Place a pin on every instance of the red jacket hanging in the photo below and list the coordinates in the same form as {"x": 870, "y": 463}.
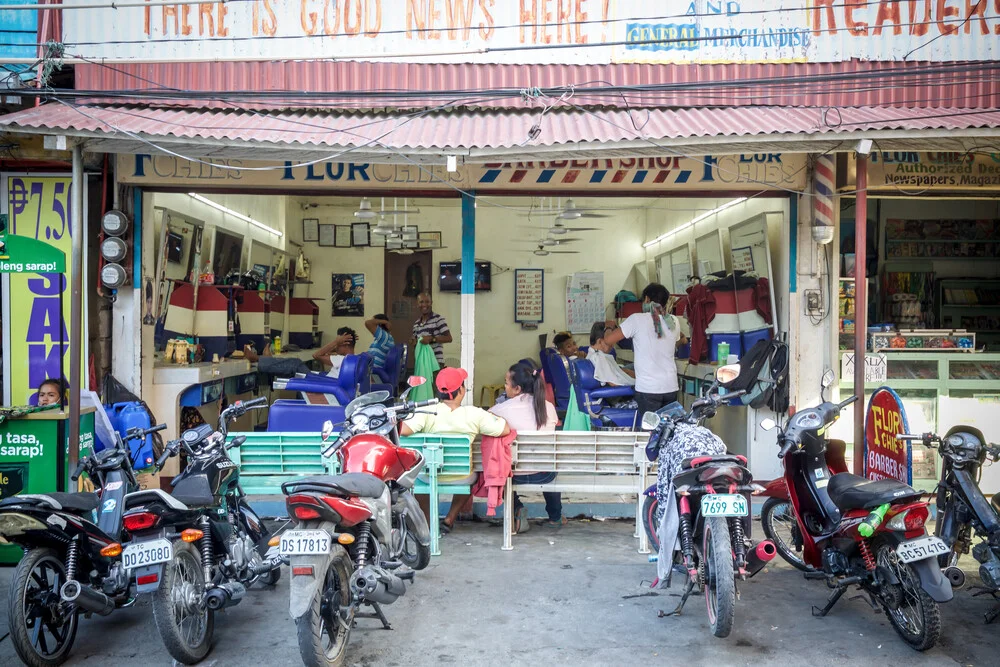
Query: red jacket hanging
{"x": 496, "y": 470}
{"x": 700, "y": 313}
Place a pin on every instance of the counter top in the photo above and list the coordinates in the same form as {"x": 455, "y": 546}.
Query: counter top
{"x": 56, "y": 414}
{"x": 189, "y": 374}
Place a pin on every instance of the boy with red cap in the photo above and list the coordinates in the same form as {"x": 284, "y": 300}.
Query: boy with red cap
{"x": 450, "y": 416}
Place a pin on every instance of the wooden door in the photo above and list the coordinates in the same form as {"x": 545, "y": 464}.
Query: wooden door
{"x": 405, "y": 277}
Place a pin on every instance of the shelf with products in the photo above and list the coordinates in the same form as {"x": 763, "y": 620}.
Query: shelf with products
{"x": 971, "y": 303}
{"x": 845, "y": 296}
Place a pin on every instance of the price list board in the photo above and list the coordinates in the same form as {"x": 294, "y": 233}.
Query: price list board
{"x": 529, "y": 295}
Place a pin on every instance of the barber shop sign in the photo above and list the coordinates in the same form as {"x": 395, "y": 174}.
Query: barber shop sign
{"x": 886, "y": 456}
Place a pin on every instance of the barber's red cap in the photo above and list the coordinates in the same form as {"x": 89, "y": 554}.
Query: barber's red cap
{"x": 450, "y": 379}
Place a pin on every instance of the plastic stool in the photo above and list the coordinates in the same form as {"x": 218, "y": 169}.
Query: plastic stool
{"x": 494, "y": 392}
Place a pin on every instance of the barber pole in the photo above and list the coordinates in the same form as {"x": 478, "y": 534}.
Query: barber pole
{"x": 823, "y": 186}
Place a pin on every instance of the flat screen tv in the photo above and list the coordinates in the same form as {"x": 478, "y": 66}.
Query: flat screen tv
{"x": 450, "y": 276}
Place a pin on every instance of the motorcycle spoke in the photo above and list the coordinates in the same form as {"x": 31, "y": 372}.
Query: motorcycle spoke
{"x": 60, "y": 637}
{"x": 37, "y": 638}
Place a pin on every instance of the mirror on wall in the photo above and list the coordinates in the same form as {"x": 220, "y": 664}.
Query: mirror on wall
{"x": 227, "y": 254}
{"x": 709, "y": 251}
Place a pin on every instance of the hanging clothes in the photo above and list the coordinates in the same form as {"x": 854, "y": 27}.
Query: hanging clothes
{"x": 496, "y": 469}
{"x": 425, "y": 365}
{"x": 700, "y": 313}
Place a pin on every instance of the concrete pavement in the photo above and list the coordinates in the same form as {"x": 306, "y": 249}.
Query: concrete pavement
{"x": 569, "y": 596}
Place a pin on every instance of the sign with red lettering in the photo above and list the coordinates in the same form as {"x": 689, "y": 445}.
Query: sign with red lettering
{"x": 538, "y": 31}
{"x": 886, "y": 456}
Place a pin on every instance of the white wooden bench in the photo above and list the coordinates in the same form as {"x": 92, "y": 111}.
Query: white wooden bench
{"x": 587, "y": 462}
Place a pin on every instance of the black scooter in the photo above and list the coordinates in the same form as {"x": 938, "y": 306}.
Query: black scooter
{"x": 962, "y": 508}
{"x": 71, "y": 564}
{"x": 198, "y": 548}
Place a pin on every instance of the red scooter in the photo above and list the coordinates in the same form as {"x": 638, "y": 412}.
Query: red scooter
{"x": 860, "y": 532}
{"x": 354, "y": 531}
{"x": 777, "y": 517}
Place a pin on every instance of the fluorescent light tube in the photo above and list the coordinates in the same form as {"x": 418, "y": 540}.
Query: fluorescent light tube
{"x": 240, "y": 216}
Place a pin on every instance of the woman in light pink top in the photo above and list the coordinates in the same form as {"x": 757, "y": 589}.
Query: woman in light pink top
{"x": 527, "y": 410}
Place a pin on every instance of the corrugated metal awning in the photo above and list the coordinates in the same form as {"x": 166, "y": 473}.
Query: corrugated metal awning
{"x": 487, "y": 136}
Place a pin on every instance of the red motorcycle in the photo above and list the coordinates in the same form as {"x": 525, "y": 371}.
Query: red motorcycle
{"x": 777, "y": 517}
{"x": 354, "y": 531}
{"x": 855, "y": 531}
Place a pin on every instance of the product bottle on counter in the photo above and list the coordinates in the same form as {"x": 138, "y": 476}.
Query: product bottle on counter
{"x": 277, "y": 344}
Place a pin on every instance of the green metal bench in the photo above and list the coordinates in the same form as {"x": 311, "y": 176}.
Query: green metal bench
{"x": 267, "y": 460}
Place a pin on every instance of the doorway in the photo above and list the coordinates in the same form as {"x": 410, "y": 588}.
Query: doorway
{"x": 406, "y": 276}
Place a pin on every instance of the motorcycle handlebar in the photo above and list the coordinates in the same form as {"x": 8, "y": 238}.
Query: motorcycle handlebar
{"x": 786, "y": 448}
{"x": 843, "y": 404}
{"x": 255, "y": 402}
{"x": 168, "y": 451}
{"x": 79, "y": 469}
{"x": 424, "y": 404}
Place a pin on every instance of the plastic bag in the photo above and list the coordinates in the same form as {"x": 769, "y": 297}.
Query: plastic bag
{"x": 575, "y": 419}
{"x": 425, "y": 365}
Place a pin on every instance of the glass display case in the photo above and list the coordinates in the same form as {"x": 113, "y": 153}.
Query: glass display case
{"x": 939, "y": 390}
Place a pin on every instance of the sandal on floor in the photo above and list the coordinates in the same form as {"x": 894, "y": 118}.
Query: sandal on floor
{"x": 521, "y": 523}
{"x": 558, "y": 524}
{"x": 445, "y": 527}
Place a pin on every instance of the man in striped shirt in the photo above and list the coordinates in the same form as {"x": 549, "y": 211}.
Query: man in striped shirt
{"x": 430, "y": 328}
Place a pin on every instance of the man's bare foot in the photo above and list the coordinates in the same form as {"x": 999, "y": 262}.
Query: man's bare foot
{"x": 249, "y": 353}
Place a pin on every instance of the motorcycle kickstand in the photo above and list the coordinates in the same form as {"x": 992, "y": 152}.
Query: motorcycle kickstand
{"x": 831, "y": 601}
{"x": 680, "y": 605}
{"x": 378, "y": 614}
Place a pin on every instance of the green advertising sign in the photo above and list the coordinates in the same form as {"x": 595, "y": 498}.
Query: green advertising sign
{"x": 23, "y": 254}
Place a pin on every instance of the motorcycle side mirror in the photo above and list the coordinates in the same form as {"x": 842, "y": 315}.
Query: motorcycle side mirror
{"x": 828, "y": 378}
{"x": 413, "y": 381}
{"x": 768, "y": 424}
{"x": 728, "y": 373}
{"x": 327, "y": 430}
{"x": 650, "y": 421}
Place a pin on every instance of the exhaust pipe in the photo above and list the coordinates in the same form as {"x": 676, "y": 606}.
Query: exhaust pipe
{"x": 759, "y": 556}
{"x": 377, "y": 585}
{"x": 86, "y": 598}
{"x": 225, "y": 595}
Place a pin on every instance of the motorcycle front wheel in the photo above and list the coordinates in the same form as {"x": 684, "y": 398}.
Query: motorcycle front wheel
{"x": 185, "y": 623}
{"x": 324, "y": 631}
{"x": 41, "y": 636}
{"x": 777, "y": 519}
{"x": 720, "y": 585}
{"x": 914, "y": 615}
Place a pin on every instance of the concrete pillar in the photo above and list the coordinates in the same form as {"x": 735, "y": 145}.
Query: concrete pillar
{"x": 813, "y": 340}
{"x": 468, "y": 324}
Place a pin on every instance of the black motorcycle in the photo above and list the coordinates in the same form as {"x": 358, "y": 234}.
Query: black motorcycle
{"x": 71, "y": 564}
{"x": 962, "y": 509}
{"x": 200, "y": 547}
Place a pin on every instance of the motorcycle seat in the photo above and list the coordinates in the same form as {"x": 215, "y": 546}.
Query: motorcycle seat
{"x": 696, "y": 461}
{"x": 849, "y": 492}
{"x": 70, "y": 502}
{"x": 359, "y": 484}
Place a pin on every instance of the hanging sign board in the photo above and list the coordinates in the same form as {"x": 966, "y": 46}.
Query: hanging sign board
{"x": 37, "y": 304}
{"x": 529, "y": 295}
{"x": 875, "y": 368}
{"x": 893, "y": 171}
{"x": 886, "y": 457}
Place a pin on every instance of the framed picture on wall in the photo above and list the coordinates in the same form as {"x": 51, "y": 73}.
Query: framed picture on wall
{"x": 310, "y": 230}
{"x": 327, "y": 235}
{"x": 378, "y": 240}
{"x": 360, "y": 235}
{"x": 342, "y": 236}
{"x": 429, "y": 239}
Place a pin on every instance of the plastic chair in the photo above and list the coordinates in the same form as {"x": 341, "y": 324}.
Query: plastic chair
{"x": 558, "y": 374}
{"x": 353, "y": 381}
{"x": 589, "y": 393}
{"x": 391, "y": 372}
{"x": 296, "y": 416}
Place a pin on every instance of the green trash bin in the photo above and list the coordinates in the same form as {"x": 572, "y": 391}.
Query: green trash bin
{"x": 34, "y": 458}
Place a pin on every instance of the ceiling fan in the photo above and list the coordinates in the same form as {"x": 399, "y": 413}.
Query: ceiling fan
{"x": 542, "y": 251}
{"x": 571, "y": 212}
{"x": 366, "y": 212}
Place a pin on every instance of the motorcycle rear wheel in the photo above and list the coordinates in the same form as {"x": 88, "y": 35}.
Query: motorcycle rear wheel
{"x": 720, "y": 584}
{"x": 185, "y": 624}
{"x": 915, "y": 617}
{"x": 34, "y": 588}
{"x": 323, "y": 634}
{"x": 651, "y": 521}
{"x": 777, "y": 519}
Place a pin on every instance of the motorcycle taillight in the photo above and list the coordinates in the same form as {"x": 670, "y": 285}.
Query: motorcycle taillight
{"x": 909, "y": 520}
{"x": 140, "y": 521}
